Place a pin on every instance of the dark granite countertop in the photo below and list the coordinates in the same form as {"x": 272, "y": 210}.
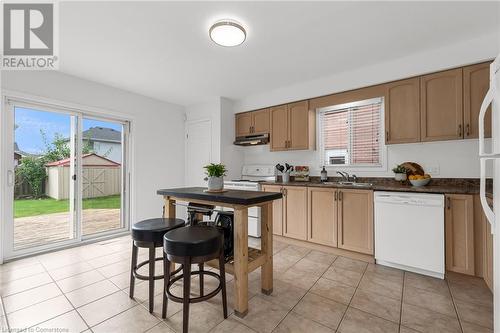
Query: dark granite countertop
{"x": 436, "y": 185}
{"x": 235, "y": 197}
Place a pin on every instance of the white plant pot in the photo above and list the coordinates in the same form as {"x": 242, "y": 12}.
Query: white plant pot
{"x": 400, "y": 176}
{"x": 215, "y": 183}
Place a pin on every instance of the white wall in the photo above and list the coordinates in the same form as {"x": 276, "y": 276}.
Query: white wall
{"x": 157, "y": 129}
{"x": 453, "y": 158}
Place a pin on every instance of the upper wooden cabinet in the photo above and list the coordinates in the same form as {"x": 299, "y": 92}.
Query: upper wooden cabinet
{"x": 459, "y": 224}
{"x": 293, "y": 127}
{"x": 476, "y": 82}
{"x": 255, "y": 122}
{"x": 402, "y": 111}
{"x": 355, "y": 220}
{"x": 322, "y": 216}
{"x": 441, "y": 106}
{"x": 277, "y": 209}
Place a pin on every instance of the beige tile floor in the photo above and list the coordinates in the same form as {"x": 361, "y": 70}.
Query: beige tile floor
{"x": 86, "y": 289}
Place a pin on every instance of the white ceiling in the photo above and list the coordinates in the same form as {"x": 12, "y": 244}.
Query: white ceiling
{"x": 162, "y": 49}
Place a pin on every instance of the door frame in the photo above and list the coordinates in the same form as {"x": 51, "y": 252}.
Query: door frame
{"x": 6, "y": 164}
{"x": 186, "y": 125}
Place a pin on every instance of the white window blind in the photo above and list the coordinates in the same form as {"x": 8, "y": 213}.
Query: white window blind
{"x": 350, "y": 133}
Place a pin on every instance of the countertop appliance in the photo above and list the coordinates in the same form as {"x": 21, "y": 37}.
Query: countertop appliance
{"x": 409, "y": 232}
{"x": 251, "y": 175}
{"x": 492, "y": 155}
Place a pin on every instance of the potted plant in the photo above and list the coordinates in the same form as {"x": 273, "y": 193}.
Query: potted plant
{"x": 399, "y": 173}
{"x": 215, "y": 173}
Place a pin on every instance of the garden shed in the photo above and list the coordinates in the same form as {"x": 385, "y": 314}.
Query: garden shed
{"x": 101, "y": 177}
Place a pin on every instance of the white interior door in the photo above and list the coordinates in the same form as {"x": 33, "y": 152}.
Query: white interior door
{"x": 198, "y": 151}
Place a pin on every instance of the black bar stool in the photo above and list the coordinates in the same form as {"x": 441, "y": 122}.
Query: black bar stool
{"x": 193, "y": 245}
{"x": 149, "y": 234}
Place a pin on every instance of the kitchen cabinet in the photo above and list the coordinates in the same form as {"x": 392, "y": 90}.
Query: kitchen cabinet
{"x": 355, "y": 220}
{"x": 293, "y": 127}
{"x": 322, "y": 216}
{"x": 475, "y": 85}
{"x": 254, "y": 122}
{"x": 459, "y": 230}
{"x": 402, "y": 111}
{"x": 277, "y": 209}
{"x": 488, "y": 255}
{"x": 295, "y": 212}
{"x": 441, "y": 106}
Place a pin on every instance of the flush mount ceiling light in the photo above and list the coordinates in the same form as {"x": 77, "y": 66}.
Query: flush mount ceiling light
{"x": 227, "y": 33}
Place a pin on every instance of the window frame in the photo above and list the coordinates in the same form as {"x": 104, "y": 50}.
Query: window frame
{"x": 382, "y": 166}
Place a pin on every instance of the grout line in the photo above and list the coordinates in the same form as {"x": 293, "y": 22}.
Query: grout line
{"x": 4, "y": 314}
{"x": 402, "y": 297}
{"x": 454, "y": 305}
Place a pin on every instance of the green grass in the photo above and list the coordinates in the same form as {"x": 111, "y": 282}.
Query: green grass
{"x": 33, "y": 207}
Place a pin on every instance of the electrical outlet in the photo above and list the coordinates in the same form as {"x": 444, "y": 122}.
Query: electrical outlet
{"x": 432, "y": 170}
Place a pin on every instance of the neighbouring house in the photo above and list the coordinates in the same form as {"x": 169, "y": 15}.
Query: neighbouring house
{"x": 21, "y": 153}
{"x": 101, "y": 177}
{"x": 105, "y": 141}
{"x": 17, "y": 159}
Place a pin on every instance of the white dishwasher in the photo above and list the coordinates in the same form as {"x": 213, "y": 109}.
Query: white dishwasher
{"x": 409, "y": 232}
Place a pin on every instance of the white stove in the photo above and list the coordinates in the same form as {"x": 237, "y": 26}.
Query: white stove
{"x": 251, "y": 175}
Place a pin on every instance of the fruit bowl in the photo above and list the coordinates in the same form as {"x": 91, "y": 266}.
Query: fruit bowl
{"x": 420, "y": 182}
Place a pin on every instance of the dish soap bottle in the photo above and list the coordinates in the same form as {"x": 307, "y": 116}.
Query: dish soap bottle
{"x": 324, "y": 175}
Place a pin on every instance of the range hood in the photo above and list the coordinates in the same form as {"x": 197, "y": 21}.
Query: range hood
{"x": 252, "y": 140}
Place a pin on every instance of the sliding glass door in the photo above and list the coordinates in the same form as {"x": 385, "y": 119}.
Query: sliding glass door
{"x": 66, "y": 178}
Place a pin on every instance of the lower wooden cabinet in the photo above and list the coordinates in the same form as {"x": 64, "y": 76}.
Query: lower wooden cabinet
{"x": 295, "y": 212}
{"x": 355, "y": 220}
{"x": 459, "y": 223}
{"x": 487, "y": 252}
{"x": 322, "y": 216}
{"x": 277, "y": 209}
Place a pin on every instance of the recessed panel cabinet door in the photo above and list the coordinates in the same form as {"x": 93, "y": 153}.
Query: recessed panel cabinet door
{"x": 260, "y": 121}
{"x": 476, "y": 84}
{"x": 298, "y": 125}
{"x": 459, "y": 221}
{"x": 277, "y": 210}
{"x": 488, "y": 255}
{"x": 243, "y": 123}
{"x": 355, "y": 220}
{"x": 279, "y": 127}
{"x": 441, "y": 106}
{"x": 322, "y": 216}
{"x": 295, "y": 210}
{"x": 402, "y": 113}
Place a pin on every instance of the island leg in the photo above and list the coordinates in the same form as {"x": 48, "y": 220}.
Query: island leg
{"x": 169, "y": 209}
{"x": 241, "y": 262}
{"x": 267, "y": 248}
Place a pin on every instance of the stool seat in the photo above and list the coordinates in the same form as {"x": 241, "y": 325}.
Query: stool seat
{"x": 152, "y": 230}
{"x": 192, "y": 241}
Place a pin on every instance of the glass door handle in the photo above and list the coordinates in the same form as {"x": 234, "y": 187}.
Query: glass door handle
{"x": 10, "y": 177}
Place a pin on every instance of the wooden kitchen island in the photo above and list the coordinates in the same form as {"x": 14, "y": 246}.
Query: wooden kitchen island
{"x": 245, "y": 259}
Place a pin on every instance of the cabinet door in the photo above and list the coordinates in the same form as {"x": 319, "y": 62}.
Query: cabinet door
{"x": 279, "y": 128}
{"x": 260, "y": 121}
{"x": 298, "y": 125}
{"x": 402, "y": 112}
{"x": 441, "y": 106}
{"x": 277, "y": 210}
{"x": 476, "y": 84}
{"x": 322, "y": 216}
{"x": 243, "y": 123}
{"x": 295, "y": 212}
{"x": 459, "y": 221}
{"x": 488, "y": 254}
{"x": 355, "y": 220}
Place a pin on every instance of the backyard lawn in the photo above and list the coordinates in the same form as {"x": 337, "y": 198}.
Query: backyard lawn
{"x": 33, "y": 207}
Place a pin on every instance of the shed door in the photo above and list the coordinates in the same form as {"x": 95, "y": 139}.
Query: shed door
{"x": 93, "y": 182}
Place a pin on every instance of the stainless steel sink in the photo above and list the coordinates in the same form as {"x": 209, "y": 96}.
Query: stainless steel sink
{"x": 345, "y": 183}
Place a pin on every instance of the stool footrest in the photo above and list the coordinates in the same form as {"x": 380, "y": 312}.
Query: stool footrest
{"x": 156, "y": 277}
{"x": 194, "y": 299}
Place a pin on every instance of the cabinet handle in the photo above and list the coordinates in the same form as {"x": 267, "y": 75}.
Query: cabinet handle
{"x": 335, "y": 196}
{"x": 386, "y": 136}
{"x": 448, "y": 203}
{"x": 467, "y": 130}
{"x": 340, "y": 195}
{"x": 460, "y": 130}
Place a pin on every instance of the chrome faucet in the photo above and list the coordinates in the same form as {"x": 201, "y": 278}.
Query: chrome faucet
{"x": 345, "y": 175}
